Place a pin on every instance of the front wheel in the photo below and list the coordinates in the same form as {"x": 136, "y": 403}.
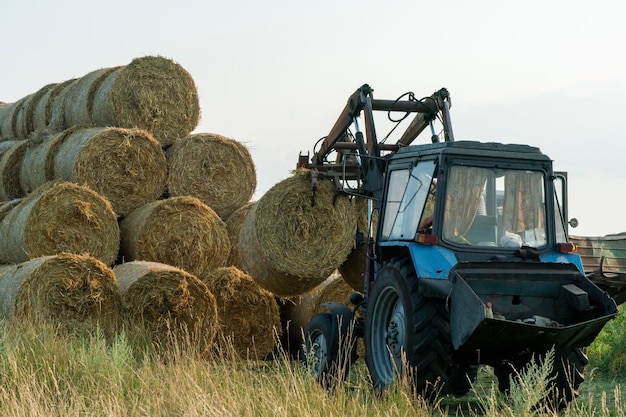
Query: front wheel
{"x": 329, "y": 349}
{"x": 406, "y": 333}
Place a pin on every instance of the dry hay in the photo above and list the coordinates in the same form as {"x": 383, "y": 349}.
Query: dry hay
{"x": 60, "y": 217}
{"x": 152, "y": 93}
{"x": 178, "y": 231}
{"x": 216, "y": 169}
{"x": 353, "y": 269}
{"x": 248, "y": 315}
{"x": 296, "y": 312}
{"x": 288, "y": 245}
{"x": 68, "y": 289}
{"x": 171, "y": 304}
{"x": 234, "y": 222}
{"x": 11, "y": 157}
{"x": 126, "y": 166}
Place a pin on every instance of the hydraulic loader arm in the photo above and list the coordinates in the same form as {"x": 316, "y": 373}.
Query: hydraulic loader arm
{"x": 365, "y": 145}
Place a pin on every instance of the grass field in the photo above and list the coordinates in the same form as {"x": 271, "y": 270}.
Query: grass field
{"x": 44, "y": 374}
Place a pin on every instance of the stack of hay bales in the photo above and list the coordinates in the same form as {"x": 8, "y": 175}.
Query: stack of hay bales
{"x": 293, "y": 239}
{"x": 68, "y": 289}
{"x": 182, "y": 200}
{"x": 151, "y": 93}
{"x": 174, "y": 306}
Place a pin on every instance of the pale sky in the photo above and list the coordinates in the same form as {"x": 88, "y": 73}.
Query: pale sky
{"x": 275, "y": 74}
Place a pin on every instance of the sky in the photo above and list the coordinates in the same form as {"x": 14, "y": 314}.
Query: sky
{"x": 275, "y": 74}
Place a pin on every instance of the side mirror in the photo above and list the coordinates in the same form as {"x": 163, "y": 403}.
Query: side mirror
{"x": 573, "y": 222}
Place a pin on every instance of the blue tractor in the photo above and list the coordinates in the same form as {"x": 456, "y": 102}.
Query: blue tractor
{"x": 468, "y": 257}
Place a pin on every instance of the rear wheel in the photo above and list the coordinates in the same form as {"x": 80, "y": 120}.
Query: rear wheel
{"x": 406, "y": 333}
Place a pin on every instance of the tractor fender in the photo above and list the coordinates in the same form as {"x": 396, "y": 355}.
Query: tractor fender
{"x": 340, "y": 310}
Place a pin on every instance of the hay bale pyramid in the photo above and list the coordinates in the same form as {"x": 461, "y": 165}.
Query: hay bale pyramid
{"x": 105, "y": 167}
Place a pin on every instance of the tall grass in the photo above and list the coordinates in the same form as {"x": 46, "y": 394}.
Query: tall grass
{"x": 43, "y": 373}
{"x": 608, "y": 351}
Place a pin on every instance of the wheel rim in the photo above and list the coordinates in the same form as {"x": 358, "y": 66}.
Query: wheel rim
{"x": 388, "y": 335}
{"x": 319, "y": 352}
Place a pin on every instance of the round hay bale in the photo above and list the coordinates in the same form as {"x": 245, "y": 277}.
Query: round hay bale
{"x": 296, "y": 312}
{"x": 287, "y": 244}
{"x": 68, "y": 289}
{"x": 216, "y": 169}
{"x": 234, "y": 222}
{"x": 152, "y": 93}
{"x": 10, "y": 165}
{"x": 60, "y": 217}
{"x": 178, "y": 231}
{"x": 249, "y": 320}
{"x": 168, "y": 302}
{"x": 79, "y": 98}
{"x": 126, "y": 166}
{"x": 48, "y": 110}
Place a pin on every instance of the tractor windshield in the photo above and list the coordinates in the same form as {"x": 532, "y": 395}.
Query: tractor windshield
{"x": 494, "y": 207}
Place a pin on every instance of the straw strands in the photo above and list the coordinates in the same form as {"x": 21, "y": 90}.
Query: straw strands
{"x": 289, "y": 245}
{"x": 248, "y": 315}
{"x": 168, "y": 301}
{"x": 59, "y": 217}
{"x": 178, "y": 231}
{"x": 216, "y": 169}
{"x": 68, "y": 289}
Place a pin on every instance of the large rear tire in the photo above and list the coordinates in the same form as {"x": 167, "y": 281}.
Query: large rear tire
{"x": 406, "y": 333}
